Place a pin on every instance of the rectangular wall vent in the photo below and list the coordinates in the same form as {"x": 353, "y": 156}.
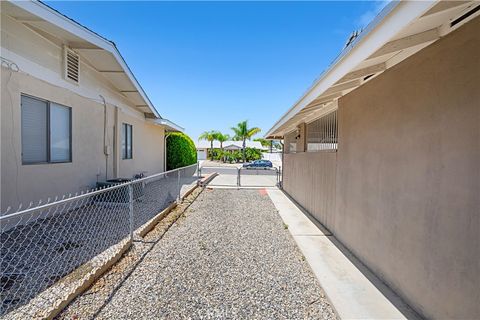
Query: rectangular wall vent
{"x": 71, "y": 65}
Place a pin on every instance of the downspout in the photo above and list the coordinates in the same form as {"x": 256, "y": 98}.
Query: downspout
{"x": 105, "y": 146}
{"x": 115, "y": 144}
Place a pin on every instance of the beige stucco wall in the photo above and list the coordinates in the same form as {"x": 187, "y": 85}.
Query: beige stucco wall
{"x": 41, "y": 75}
{"x": 25, "y": 183}
{"x": 309, "y": 178}
{"x": 408, "y": 182}
{"x": 148, "y": 148}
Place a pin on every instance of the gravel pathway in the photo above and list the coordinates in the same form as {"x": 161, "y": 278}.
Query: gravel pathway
{"x": 229, "y": 257}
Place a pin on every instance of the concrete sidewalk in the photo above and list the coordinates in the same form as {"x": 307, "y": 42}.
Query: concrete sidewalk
{"x": 353, "y": 290}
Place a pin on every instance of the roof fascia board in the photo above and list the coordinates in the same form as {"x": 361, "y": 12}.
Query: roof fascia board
{"x": 393, "y": 18}
{"x": 167, "y": 123}
{"x": 48, "y": 14}
{"x": 137, "y": 85}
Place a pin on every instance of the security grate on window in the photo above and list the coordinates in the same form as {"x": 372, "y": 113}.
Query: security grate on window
{"x": 322, "y": 134}
{"x": 291, "y": 142}
{"x": 71, "y": 65}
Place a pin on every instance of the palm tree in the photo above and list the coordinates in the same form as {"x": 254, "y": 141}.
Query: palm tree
{"x": 243, "y": 132}
{"x": 209, "y": 136}
{"x": 264, "y": 142}
{"x": 220, "y": 137}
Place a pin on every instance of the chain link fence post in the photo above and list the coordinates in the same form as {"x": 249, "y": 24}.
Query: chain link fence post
{"x": 178, "y": 186}
{"x": 130, "y": 209}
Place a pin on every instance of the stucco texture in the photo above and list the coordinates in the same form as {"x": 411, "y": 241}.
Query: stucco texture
{"x": 408, "y": 183}
{"x": 25, "y": 183}
{"x": 309, "y": 177}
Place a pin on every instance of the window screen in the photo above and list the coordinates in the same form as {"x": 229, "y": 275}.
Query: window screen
{"x": 322, "y": 134}
{"x": 46, "y": 131}
{"x": 291, "y": 142}
{"x": 127, "y": 141}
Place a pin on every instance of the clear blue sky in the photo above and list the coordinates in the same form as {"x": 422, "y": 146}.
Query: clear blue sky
{"x": 209, "y": 65}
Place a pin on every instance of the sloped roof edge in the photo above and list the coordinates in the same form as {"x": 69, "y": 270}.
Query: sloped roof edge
{"x": 60, "y": 20}
{"x": 395, "y": 16}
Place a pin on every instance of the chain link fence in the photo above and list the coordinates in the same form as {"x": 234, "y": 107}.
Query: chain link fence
{"x": 42, "y": 244}
{"x": 230, "y": 176}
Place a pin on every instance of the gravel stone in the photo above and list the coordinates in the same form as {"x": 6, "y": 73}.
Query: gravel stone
{"x": 229, "y": 257}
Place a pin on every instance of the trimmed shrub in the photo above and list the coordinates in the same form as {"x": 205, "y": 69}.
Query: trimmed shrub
{"x": 181, "y": 151}
{"x": 252, "y": 154}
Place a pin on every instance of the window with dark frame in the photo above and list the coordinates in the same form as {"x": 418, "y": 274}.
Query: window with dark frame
{"x": 46, "y": 131}
{"x": 127, "y": 141}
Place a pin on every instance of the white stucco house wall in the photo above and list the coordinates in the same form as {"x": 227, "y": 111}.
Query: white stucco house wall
{"x": 72, "y": 112}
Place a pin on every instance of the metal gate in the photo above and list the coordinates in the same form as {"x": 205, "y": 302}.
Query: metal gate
{"x": 244, "y": 177}
{"x": 258, "y": 177}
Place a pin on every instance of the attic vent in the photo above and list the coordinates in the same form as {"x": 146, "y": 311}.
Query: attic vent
{"x": 368, "y": 77}
{"x": 71, "y": 65}
{"x": 464, "y": 16}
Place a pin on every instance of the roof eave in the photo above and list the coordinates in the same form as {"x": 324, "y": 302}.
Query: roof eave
{"x": 169, "y": 125}
{"x": 392, "y": 19}
{"x": 51, "y": 15}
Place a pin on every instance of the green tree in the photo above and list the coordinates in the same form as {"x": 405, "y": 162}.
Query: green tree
{"x": 209, "y": 136}
{"x": 181, "y": 151}
{"x": 243, "y": 132}
{"x": 264, "y": 142}
{"x": 269, "y": 143}
{"x": 220, "y": 137}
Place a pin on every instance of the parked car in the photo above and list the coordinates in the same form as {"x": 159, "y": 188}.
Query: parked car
{"x": 259, "y": 164}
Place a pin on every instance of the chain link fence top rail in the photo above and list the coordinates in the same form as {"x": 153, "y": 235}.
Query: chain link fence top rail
{"x": 238, "y": 176}
{"x": 40, "y": 245}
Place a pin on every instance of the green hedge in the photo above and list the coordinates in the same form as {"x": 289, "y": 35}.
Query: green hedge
{"x": 251, "y": 154}
{"x": 181, "y": 151}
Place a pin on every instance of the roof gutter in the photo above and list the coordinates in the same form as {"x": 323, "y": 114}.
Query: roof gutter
{"x": 171, "y": 127}
{"x": 391, "y": 20}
